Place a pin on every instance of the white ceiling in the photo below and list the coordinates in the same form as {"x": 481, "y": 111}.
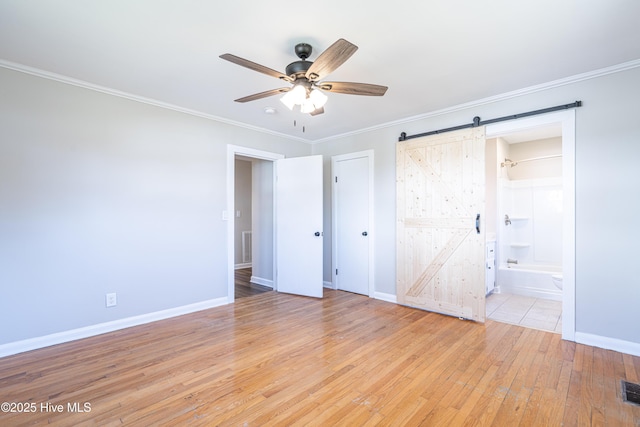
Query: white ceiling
{"x": 431, "y": 54}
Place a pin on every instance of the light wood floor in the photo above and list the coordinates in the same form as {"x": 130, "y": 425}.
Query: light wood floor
{"x": 346, "y": 360}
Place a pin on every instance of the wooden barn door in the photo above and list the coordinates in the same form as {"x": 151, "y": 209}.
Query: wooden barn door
{"x": 441, "y": 241}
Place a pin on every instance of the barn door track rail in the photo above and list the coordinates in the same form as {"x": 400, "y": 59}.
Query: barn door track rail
{"x": 477, "y": 122}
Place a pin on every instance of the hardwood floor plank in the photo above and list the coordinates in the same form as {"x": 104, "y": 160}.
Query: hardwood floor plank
{"x": 276, "y": 359}
{"x": 586, "y": 393}
{"x": 243, "y": 285}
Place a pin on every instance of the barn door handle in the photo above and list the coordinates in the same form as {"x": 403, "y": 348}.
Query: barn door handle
{"x": 478, "y": 223}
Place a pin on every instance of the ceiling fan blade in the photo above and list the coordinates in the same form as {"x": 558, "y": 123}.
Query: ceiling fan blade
{"x": 255, "y": 67}
{"x": 264, "y": 94}
{"x": 333, "y": 57}
{"x": 353, "y": 88}
{"x": 317, "y": 111}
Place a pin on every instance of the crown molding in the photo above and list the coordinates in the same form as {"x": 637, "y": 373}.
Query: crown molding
{"x": 496, "y": 98}
{"x": 150, "y": 101}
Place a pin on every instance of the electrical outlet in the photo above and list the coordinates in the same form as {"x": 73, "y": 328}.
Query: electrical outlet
{"x": 111, "y": 300}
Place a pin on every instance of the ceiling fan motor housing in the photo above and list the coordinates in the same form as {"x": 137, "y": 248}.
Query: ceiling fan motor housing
{"x": 298, "y": 68}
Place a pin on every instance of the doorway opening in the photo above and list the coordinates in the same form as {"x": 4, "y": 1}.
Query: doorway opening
{"x": 258, "y": 193}
{"x": 291, "y": 249}
{"x": 251, "y": 212}
{"x": 531, "y": 204}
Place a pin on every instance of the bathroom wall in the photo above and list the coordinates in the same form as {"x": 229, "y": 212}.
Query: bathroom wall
{"x": 531, "y": 195}
{"x": 534, "y": 207}
{"x": 544, "y": 168}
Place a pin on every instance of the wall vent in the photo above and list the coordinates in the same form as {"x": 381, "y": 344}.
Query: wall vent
{"x": 246, "y": 247}
{"x": 631, "y": 392}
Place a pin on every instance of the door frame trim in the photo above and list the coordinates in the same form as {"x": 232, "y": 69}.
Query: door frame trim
{"x": 232, "y": 152}
{"x": 369, "y": 154}
{"x": 567, "y": 119}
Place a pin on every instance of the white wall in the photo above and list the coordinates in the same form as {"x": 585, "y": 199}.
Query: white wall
{"x": 104, "y": 194}
{"x": 607, "y": 201}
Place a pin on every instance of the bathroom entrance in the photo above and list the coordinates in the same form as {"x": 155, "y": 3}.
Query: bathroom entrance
{"x": 530, "y": 217}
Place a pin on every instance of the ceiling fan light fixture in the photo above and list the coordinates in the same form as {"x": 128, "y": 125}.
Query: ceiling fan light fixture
{"x": 314, "y": 101}
{"x": 296, "y": 96}
{"x": 305, "y": 77}
{"x": 318, "y": 98}
{"x": 307, "y": 107}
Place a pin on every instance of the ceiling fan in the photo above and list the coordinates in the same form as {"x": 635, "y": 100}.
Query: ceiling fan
{"x": 307, "y": 89}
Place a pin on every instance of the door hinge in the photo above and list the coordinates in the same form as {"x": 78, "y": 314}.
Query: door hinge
{"x": 336, "y": 271}
{"x": 336, "y": 179}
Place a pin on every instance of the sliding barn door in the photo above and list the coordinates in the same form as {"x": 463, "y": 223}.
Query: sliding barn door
{"x": 440, "y": 190}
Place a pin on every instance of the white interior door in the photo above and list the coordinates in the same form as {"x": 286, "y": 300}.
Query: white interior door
{"x": 352, "y": 231}
{"x": 299, "y": 237}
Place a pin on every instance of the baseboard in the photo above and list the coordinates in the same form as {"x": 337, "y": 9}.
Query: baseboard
{"x": 262, "y": 281}
{"x": 102, "y": 328}
{"x": 241, "y": 266}
{"x": 628, "y": 347}
{"x": 386, "y": 297}
{"x": 328, "y": 285}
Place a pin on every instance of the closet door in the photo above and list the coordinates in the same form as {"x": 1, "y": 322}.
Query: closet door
{"x": 440, "y": 223}
{"x": 352, "y": 223}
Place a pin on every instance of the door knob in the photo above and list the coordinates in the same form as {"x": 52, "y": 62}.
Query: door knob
{"x": 364, "y": 233}
{"x": 317, "y": 234}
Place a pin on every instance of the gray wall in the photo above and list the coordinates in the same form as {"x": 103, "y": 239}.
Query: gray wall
{"x": 262, "y": 215}
{"x": 243, "y": 183}
{"x": 104, "y": 194}
{"x": 607, "y": 193}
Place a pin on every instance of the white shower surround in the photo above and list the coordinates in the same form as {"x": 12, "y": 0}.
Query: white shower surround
{"x": 533, "y": 238}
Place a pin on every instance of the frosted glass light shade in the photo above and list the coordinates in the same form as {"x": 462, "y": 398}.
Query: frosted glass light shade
{"x": 318, "y": 98}
{"x": 295, "y": 96}
{"x": 307, "y": 106}
{"x": 308, "y": 101}
{"x": 315, "y": 100}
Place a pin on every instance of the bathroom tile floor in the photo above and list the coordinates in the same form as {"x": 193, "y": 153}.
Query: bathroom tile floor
{"x": 529, "y": 312}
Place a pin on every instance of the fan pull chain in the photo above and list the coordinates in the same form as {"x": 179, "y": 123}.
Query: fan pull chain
{"x": 295, "y": 123}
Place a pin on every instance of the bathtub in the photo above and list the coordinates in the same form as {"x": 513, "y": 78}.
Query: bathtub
{"x": 528, "y": 280}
